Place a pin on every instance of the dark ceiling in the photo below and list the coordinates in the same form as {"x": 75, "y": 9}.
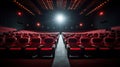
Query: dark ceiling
{"x": 44, "y": 10}
{"x": 81, "y": 7}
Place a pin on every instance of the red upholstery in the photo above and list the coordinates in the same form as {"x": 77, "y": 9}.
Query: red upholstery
{"x": 85, "y": 42}
{"x": 30, "y": 49}
{"x": 46, "y": 49}
{"x": 97, "y": 42}
{"x": 18, "y": 36}
{"x": 72, "y": 42}
{"x": 108, "y": 41}
{"x": 104, "y": 48}
{"x": 10, "y": 41}
{"x": 15, "y": 48}
{"x": 73, "y": 46}
{"x": 117, "y": 44}
{"x": 91, "y": 49}
{"x": 23, "y": 42}
{"x": 49, "y": 42}
{"x": 48, "y": 46}
{"x": 75, "y": 49}
{"x": 35, "y": 42}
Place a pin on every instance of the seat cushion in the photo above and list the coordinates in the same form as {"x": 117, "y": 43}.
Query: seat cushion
{"x": 15, "y": 48}
{"x": 75, "y": 48}
{"x": 90, "y": 49}
{"x": 30, "y": 49}
{"x": 104, "y": 48}
{"x": 46, "y": 48}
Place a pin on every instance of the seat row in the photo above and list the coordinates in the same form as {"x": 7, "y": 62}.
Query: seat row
{"x": 95, "y": 45}
{"x": 28, "y": 45}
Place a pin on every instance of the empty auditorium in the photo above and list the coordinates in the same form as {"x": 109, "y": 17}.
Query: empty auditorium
{"x": 59, "y": 33}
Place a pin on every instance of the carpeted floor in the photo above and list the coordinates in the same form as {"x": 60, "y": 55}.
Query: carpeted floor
{"x": 61, "y": 59}
{"x": 99, "y": 62}
{"x": 26, "y": 62}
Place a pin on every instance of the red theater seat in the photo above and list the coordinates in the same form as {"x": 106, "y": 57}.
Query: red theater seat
{"x": 116, "y": 47}
{"x": 48, "y": 47}
{"x": 12, "y": 46}
{"x": 10, "y": 41}
{"x": 35, "y": 42}
{"x": 1, "y": 41}
{"x": 72, "y": 42}
{"x": 117, "y": 43}
{"x": 49, "y": 42}
{"x": 23, "y": 42}
{"x": 90, "y": 49}
{"x": 106, "y": 50}
{"x": 85, "y": 42}
{"x": 32, "y": 48}
{"x": 109, "y": 41}
{"x": 97, "y": 42}
{"x": 73, "y": 47}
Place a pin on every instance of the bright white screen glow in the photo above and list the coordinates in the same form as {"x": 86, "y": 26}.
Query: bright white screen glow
{"x": 60, "y": 18}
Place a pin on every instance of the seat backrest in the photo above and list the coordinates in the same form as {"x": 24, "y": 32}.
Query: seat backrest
{"x": 97, "y": 41}
{"x": 117, "y": 43}
{"x": 85, "y": 41}
{"x": 10, "y": 40}
{"x": 35, "y": 40}
{"x": 72, "y": 40}
{"x": 49, "y": 40}
{"x": 1, "y": 41}
{"x": 109, "y": 41}
{"x": 23, "y": 40}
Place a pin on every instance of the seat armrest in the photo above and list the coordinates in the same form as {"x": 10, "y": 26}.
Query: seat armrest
{"x": 53, "y": 46}
{"x": 68, "y": 46}
{"x": 81, "y": 46}
{"x": 40, "y": 46}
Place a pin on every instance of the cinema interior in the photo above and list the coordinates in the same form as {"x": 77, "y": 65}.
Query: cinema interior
{"x": 59, "y": 33}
